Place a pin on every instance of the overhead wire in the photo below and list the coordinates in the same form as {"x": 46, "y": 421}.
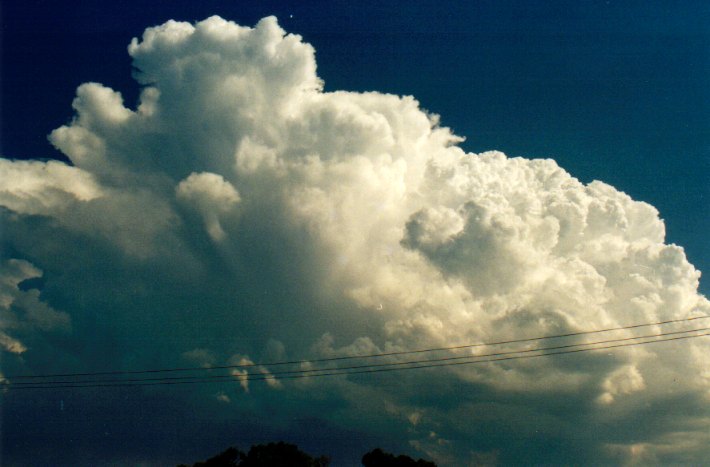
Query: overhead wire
{"x": 265, "y": 377}
{"x": 352, "y": 357}
{"x": 373, "y": 368}
{"x": 377, "y": 365}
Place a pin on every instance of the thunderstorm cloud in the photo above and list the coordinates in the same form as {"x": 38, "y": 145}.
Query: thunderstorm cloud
{"x": 240, "y": 213}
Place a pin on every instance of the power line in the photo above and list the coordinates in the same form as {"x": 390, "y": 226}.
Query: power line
{"x": 376, "y": 365}
{"x": 371, "y": 370}
{"x": 517, "y": 357}
{"x": 377, "y": 368}
{"x": 351, "y": 357}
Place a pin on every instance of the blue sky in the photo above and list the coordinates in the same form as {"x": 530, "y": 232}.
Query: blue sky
{"x": 236, "y": 208}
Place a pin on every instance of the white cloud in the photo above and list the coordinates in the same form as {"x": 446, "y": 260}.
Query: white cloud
{"x": 211, "y": 195}
{"x": 22, "y": 312}
{"x": 44, "y": 188}
{"x": 340, "y": 223}
{"x": 623, "y": 381}
{"x": 241, "y": 375}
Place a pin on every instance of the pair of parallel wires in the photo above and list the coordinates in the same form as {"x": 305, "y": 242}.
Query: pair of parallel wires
{"x": 355, "y": 364}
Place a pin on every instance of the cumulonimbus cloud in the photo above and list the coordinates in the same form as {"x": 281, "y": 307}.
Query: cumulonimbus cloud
{"x": 239, "y": 208}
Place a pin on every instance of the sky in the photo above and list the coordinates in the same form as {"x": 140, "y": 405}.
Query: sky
{"x": 233, "y": 183}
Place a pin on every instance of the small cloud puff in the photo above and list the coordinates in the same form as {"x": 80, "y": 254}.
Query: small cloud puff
{"x": 22, "y": 312}
{"x": 211, "y": 195}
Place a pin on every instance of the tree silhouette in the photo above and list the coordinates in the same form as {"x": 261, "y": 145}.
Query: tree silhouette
{"x": 281, "y": 455}
{"x": 232, "y": 457}
{"x": 288, "y": 455}
{"x": 379, "y": 458}
{"x": 264, "y": 455}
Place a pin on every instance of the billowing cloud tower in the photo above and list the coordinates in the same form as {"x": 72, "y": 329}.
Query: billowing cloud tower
{"x": 242, "y": 214}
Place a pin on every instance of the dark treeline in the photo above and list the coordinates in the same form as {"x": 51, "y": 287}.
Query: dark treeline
{"x": 379, "y": 458}
{"x": 288, "y": 455}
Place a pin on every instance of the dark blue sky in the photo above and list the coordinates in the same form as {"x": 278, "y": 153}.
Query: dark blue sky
{"x": 614, "y": 91}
